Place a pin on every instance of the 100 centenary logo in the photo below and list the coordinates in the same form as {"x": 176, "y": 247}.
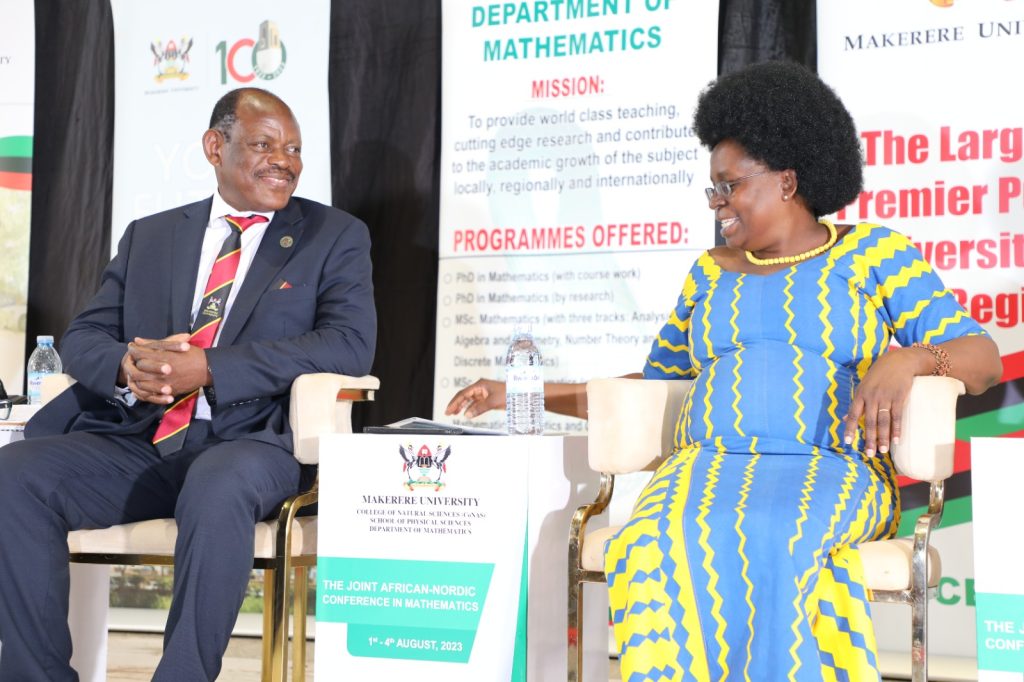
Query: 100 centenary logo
{"x": 267, "y": 60}
{"x": 426, "y": 468}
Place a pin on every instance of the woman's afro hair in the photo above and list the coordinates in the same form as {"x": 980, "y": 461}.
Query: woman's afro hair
{"x": 783, "y": 115}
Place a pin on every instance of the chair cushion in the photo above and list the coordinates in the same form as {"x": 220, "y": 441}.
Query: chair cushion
{"x": 592, "y": 551}
{"x": 158, "y": 537}
{"x": 887, "y": 564}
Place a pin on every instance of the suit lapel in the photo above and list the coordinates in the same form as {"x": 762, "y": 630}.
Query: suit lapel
{"x": 270, "y": 258}
{"x": 188, "y": 244}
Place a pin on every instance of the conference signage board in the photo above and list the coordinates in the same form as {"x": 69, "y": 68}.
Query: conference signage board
{"x": 443, "y": 557}
{"x": 998, "y": 555}
{"x": 171, "y": 66}
{"x": 571, "y": 183}
{"x": 17, "y": 94}
{"x": 943, "y": 145}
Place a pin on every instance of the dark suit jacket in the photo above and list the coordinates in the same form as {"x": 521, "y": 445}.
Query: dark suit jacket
{"x": 324, "y": 322}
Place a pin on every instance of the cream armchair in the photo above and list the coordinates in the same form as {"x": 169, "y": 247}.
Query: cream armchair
{"x": 631, "y": 426}
{"x": 320, "y": 404}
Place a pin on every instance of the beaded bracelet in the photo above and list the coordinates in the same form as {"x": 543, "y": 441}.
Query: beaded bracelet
{"x": 942, "y": 362}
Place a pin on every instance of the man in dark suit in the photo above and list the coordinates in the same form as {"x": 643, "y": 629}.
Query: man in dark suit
{"x": 183, "y": 361}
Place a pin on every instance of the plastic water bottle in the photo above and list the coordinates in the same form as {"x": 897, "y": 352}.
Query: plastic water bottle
{"x": 44, "y": 360}
{"x": 524, "y": 385}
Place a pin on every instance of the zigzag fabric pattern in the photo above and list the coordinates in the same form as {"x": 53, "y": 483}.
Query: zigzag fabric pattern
{"x": 740, "y": 560}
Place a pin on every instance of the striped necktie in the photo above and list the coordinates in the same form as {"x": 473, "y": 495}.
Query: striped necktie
{"x": 170, "y": 434}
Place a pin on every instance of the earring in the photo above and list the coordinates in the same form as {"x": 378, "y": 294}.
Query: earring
{"x": 785, "y": 197}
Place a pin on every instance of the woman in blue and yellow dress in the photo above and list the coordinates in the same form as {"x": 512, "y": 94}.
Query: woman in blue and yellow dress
{"x": 740, "y": 561}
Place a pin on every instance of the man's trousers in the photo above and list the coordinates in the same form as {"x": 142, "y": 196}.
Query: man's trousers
{"x": 216, "y": 491}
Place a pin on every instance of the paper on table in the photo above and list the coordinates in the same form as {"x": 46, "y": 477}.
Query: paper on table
{"x": 428, "y": 425}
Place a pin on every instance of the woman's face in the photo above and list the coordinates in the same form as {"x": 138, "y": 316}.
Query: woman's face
{"x": 750, "y": 212}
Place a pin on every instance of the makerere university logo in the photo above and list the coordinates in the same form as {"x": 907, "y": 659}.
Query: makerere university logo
{"x": 171, "y": 59}
{"x": 425, "y": 468}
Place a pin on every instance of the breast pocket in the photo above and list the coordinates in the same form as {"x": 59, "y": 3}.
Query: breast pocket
{"x": 285, "y": 312}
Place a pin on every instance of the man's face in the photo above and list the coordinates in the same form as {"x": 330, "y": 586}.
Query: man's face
{"x": 259, "y": 162}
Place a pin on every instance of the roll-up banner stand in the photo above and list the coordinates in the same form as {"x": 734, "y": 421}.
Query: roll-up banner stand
{"x": 571, "y": 183}
{"x": 943, "y": 144}
{"x": 17, "y": 94}
{"x": 173, "y": 63}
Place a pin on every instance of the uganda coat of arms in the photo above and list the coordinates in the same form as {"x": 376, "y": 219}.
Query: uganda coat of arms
{"x": 426, "y": 468}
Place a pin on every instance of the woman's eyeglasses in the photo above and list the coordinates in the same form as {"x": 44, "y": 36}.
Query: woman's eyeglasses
{"x": 723, "y": 188}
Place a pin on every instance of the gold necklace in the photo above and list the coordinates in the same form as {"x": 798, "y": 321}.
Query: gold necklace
{"x": 832, "y": 237}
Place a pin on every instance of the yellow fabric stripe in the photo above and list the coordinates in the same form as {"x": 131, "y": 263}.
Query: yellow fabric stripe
{"x": 909, "y": 315}
{"x": 220, "y": 286}
{"x": 229, "y": 254}
{"x": 946, "y": 321}
{"x": 183, "y": 399}
{"x": 205, "y": 326}
{"x": 826, "y": 336}
{"x": 739, "y": 354}
{"x": 748, "y": 481}
{"x": 673, "y": 477}
{"x": 709, "y": 556}
{"x": 172, "y": 433}
{"x": 675, "y": 348}
{"x": 670, "y": 370}
{"x": 681, "y": 325}
{"x": 799, "y": 389}
{"x": 847, "y": 656}
{"x": 805, "y": 497}
{"x": 691, "y": 619}
{"x": 895, "y": 282}
{"x": 709, "y": 351}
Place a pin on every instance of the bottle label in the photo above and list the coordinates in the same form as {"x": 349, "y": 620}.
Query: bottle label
{"x": 528, "y": 379}
{"x": 35, "y": 381}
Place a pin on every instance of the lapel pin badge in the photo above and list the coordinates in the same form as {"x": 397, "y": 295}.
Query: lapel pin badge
{"x": 286, "y": 242}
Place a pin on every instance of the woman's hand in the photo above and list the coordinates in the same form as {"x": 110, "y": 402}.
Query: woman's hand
{"x": 479, "y": 397}
{"x": 881, "y": 396}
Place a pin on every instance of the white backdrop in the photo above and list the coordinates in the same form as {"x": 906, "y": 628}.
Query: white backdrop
{"x": 943, "y": 144}
{"x": 571, "y": 183}
{"x": 172, "y": 67}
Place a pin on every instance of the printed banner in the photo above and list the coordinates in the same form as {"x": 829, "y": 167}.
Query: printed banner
{"x": 998, "y": 556}
{"x": 171, "y": 68}
{"x": 571, "y": 182}
{"x": 444, "y": 558}
{"x": 17, "y": 94}
{"x": 945, "y": 165}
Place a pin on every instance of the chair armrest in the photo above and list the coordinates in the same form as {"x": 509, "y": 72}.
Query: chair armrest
{"x": 53, "y": 385}
{"x": 631, "y": 422}
{"x": 928, "y": 430}
{"x": 321, "y": 404}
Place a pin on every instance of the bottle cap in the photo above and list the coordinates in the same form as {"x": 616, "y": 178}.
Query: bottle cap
{"x": 44, "y": 339}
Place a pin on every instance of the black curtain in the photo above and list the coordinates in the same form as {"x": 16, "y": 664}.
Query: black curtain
{"x": 384, "y": 91}
{"x": 72, "y": 161}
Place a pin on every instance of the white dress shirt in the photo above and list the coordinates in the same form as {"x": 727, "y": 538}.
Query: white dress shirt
{"x": 217, "y": 230}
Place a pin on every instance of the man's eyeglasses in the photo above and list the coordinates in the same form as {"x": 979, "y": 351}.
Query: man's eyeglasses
{"x": 723, "y": 188}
